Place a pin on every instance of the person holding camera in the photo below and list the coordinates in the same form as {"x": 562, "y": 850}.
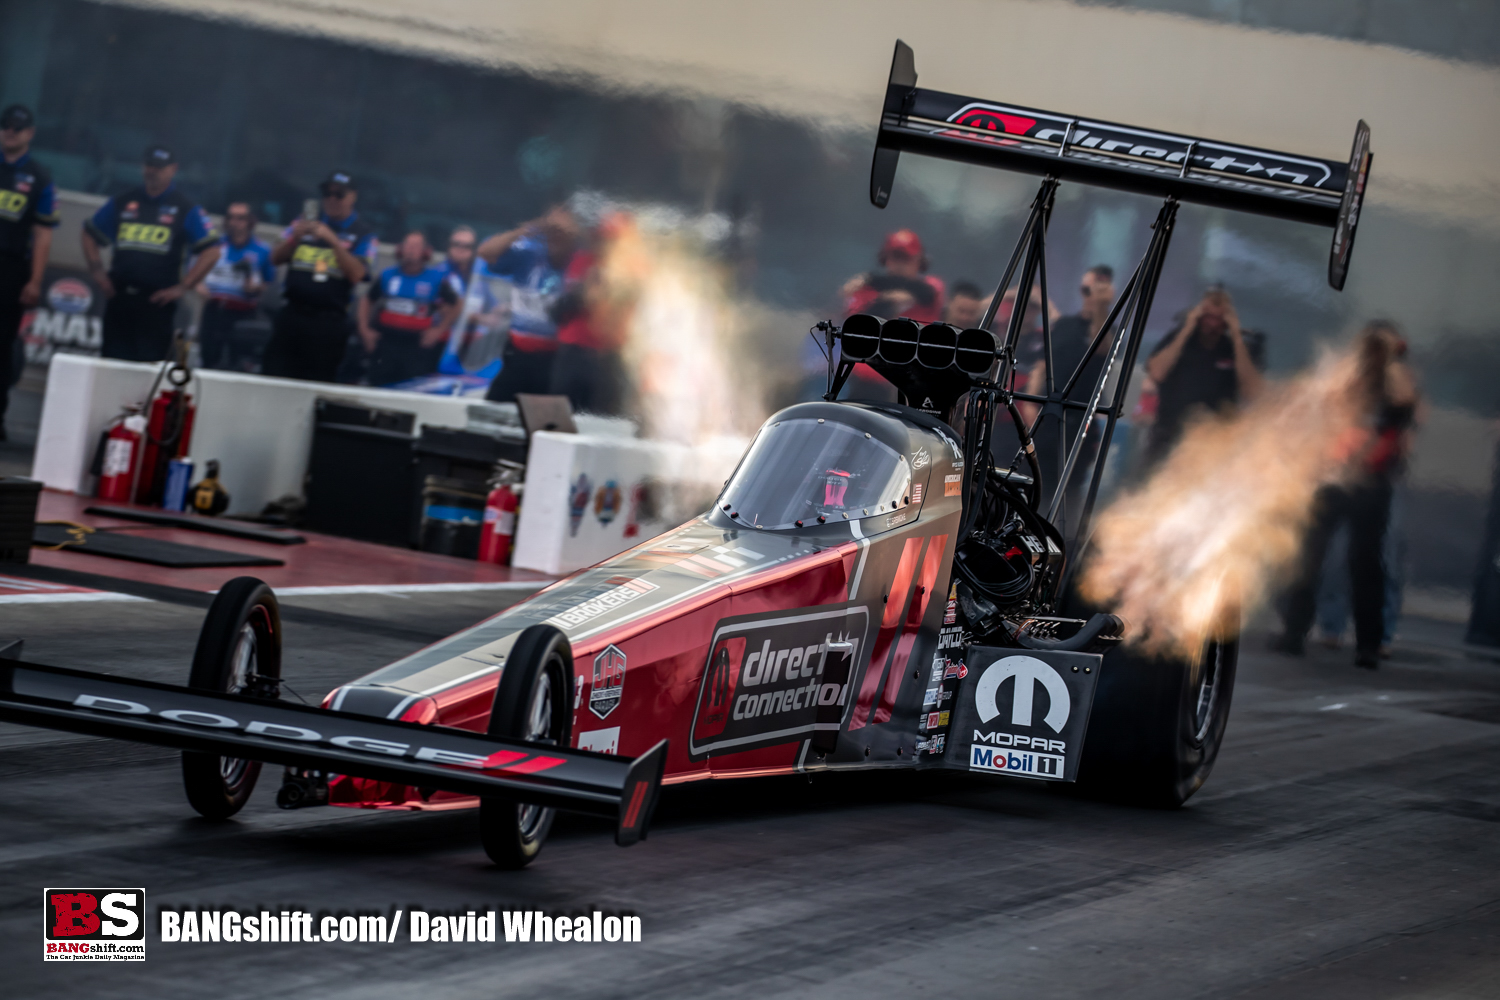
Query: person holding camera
{"x": 326, "y": 257}
{"x": 232, "y": 289}
{"x": 1204, "y": 364}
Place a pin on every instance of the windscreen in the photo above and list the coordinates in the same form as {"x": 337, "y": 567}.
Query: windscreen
{"x": 798, "y": 470}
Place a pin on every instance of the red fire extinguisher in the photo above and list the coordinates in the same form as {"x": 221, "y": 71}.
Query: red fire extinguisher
{"x": 168, "y": 431}
{"x": 122, "y": 454}
{"x": 500, "y": 516}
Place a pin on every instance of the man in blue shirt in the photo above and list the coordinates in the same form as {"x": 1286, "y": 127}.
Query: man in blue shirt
{"x": 152, "y": 228}
{"x": 325, "y": 257}
{"x": 404, "y": 317}
{"x": 28, "y": 214}
{"x": 533, "y": 258}
{"x": 233, "y": 288}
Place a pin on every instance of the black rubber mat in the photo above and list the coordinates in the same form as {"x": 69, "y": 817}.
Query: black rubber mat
{"x": 116, "y": 545}
{"x": 196, "y": 522}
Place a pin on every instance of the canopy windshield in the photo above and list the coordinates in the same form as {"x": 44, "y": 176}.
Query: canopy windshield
{"x": 798, "y": 470}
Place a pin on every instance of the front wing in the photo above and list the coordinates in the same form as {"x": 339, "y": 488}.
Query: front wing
{"x": 301, "y": 736}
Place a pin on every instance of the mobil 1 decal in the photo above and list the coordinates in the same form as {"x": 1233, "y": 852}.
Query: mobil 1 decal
{"x": 776, "y": 678}
{"x": 1023, "y": 713}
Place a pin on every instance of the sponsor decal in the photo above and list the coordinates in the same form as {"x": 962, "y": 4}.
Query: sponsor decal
{"x": 933, "y": 745}
{"x": 921, "y": 459}
{"x": 951, "y": 638}
{"x": 94, "y": 925}
{"x": 950, "y": 613}
{"x": 623, "y": 590}
{"x": 1023, "y": 764}
{"x": 600, "y": 740}
{"x": 71, "y": 296}
{"x": 775, "y": 679}
{"x": 930, "y": 696}
{"x": 1028, "y": 714}
{"x": 607, "y": 502}
{"x": 578, "y": 501}
{"x": 936, "y": 720}
{"x": 1028, "y": 672}
{"x": 895, "y": 519}
{"x": 12, "y": 205}
{"x": 953, "y": 486}
{"x": 609, "y": 682}
{"x": 996, "y": 123}
{"x": 955, "y": 670}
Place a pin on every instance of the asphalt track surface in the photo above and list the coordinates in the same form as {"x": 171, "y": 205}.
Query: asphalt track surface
{"x": 1347, "y": 845}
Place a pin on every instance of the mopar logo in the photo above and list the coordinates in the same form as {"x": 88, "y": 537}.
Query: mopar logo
{"x": 1028, "y": 671}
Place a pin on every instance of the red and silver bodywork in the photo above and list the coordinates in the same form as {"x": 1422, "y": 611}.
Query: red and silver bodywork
{"x": 753, "y": 651}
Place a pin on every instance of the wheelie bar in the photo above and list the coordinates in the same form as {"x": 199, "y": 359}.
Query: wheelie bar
{"x": 302, "y": 736}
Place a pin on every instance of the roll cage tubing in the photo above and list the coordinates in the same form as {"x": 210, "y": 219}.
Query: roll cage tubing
{"x": 1058, "y": 147}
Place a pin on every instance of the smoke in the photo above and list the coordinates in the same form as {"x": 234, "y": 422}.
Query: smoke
{"x": 684, "y": 337}
{"x": 1220, "y": 523}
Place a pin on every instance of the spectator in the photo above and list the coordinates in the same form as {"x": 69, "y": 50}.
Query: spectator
{"x": 233, "y": 287}
{"x": 903, "y": 288}
{"x": 1364, "y": 502}
{"x": 152, "y": 228}
{"x": 594, "y": 323}
{"x": 476, "y": 335}
{"x": 28, "y": 214}
{"x": 404, "y": 318}
{"x": 1201, "y": 365}
{"x": 325, "y": 257}
{"x": 1071, "y": 338}
{"x": 533, "y": 258}
{"x": 966, "y": 305}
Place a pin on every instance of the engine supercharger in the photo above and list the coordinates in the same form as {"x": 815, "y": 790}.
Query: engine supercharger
{"x": 500, "y": 508}
{"x": 122, "y": 456}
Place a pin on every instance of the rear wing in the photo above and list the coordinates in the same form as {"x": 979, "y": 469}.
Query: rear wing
{"x": 1108, "y": 154}
{"x": 454, "y": 760}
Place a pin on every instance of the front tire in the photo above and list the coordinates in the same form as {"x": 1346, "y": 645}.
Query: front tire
{"x": 1157, "y": 724}
{"x": 239, "y": 651}
{"x": 532, "y": 703}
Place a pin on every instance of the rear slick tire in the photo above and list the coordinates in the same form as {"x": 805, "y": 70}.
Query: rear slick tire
{"x": 240, "y": 643}
{"x": 532, "y": 703}
{"x": 1157, "y": 724}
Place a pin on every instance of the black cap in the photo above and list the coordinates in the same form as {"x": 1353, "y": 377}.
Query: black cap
{"x": 158, "y": 156}
{"x": 339, "y": 179}
{"x": 17, "y": 117}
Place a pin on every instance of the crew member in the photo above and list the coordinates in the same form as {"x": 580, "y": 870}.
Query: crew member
{"x": 233, "y": 287}
{"x": 1202, "y": 365}
{"x": 1071, "y": 337}
{"x": 533, "y": 258}
{"x": 966, "y": 305}
{"x": 594, "y": 318}
{"x": 153, "y": 228}
{"x": 325, "y": 257}
{"x": 901, "y": 288}
{"x": 28, "y": 214}
{"x": 477, "y": 335}
{"x": 404, "y": 317}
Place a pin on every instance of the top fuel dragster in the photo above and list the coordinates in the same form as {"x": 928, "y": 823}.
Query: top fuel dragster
{"x": 870, "y": 590}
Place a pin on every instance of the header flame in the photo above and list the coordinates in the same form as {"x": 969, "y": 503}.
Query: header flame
{"x": 1220, "y": 523}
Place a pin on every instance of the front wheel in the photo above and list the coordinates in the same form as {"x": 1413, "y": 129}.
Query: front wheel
{"x": 532, "y": 704}
{"x": 1157, "y": 724}
{"x": 239, "y": 652}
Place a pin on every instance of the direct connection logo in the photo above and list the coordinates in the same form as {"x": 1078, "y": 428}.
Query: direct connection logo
{"x": 94, "y": 925}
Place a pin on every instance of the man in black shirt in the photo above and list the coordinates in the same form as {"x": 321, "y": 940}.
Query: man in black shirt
{"x": 28, "y": 214}
{"x": 1202, "y": 365}
{"x": 325, "y": 257}
{"x": 152, "y": 227}
{"x": 1071, "y": 337}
